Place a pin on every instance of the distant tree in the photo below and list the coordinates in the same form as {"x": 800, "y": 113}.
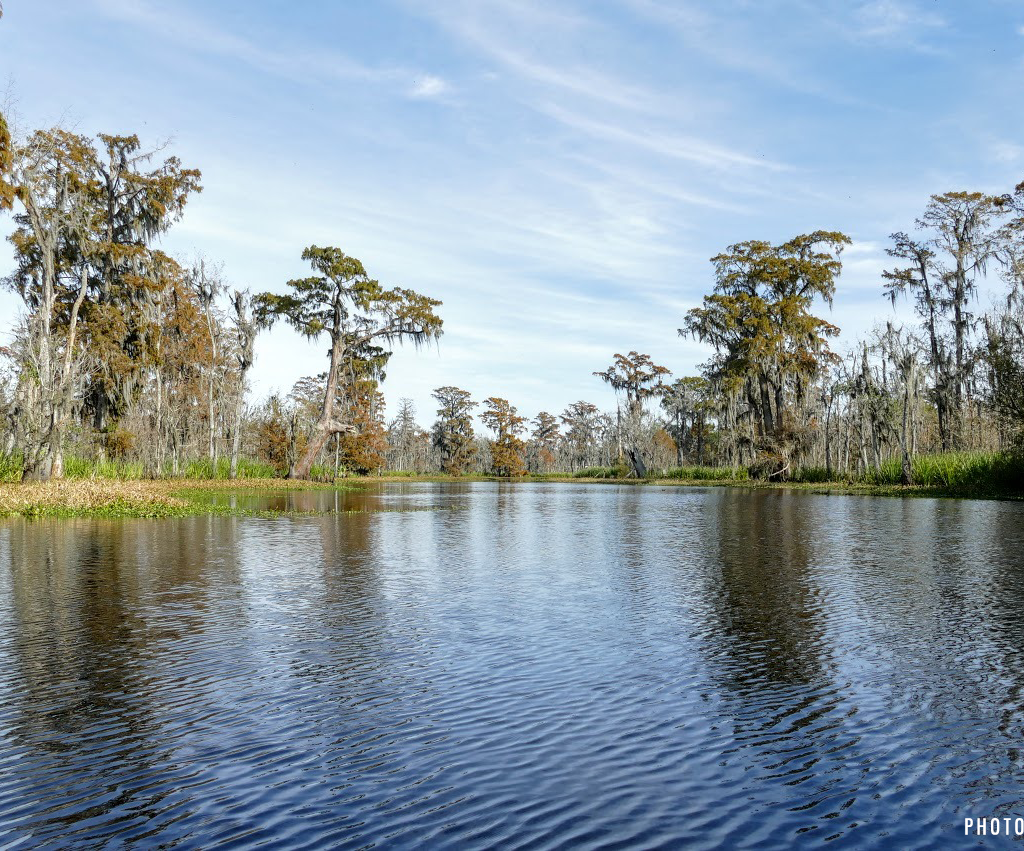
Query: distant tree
{"x": 1004, "y": 327}
{"x": 769, "y": 346}
{"x": 354, "y": 310}
{"x": 179, "y": 363}
{"x": 208, "y": 285}
{"x": 687, "y": 405}
{"x": 664, "y": 450}
{"x": 246, "y": 328}
{"x": 638, "y": 378}
{"x": 453, "y": 430}
{"x": 53, "y": 252}
{"x": 8, "y": 191}
{"x": 404, "y": 437}
{"x": 941, "y": 273}
{"x": 131, "y": 203}
{"x": 545, "y": 440}
{"x": 902, "y": 350}
{"x": 363, "y": 450}
{"x": 273, "y": 432}
{"x": 507, "y": 448}
{"x": 582, "y": 421}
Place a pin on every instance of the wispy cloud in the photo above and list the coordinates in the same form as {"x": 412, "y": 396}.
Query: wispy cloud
{"x": 667, "y": 144}
{"x": 293, "y": 63}
{"x": 528, "y": 40}
{"x": 896, "y": 23}
{"x": 428, "y": 86}
{"x": 588, "y": 160}
{"x": 1003, "y": 151}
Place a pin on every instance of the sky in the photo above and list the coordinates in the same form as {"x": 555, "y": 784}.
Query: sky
{"x": 557, "y": 173}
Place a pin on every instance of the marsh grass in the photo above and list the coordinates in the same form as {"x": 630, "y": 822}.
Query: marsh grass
{"x": 816, "y": 475}
{"x": 10, "y": 468}
{"x": 77, "y": 468}
{"x": 204, "y": 469}
{"x": 124, "y": 498}
{"x": 707, "y": 474}
{"x": 969, "y": 473}
{"x": 96, "y": 497}
{"x": 111, "y": 489}
{"x": 619, "y": 471}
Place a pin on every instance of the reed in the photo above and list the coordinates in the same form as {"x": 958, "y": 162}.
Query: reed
{"x": 959, "y": 472}
{"x": 707, "y": 474}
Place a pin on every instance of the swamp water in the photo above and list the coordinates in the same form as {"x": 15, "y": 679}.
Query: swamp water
{"x": 532, "y": 665}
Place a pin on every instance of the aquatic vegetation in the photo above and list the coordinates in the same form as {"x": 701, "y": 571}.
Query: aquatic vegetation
{"x": 101, "y": 497}
{"x": 959, "y": 472}
{"x": 96, "y": 497}
{"x": 707, "y": 474}
{"x": 619, "y": 471}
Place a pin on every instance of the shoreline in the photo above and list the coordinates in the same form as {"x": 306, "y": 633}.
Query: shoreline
{"x": 121, "y": 498}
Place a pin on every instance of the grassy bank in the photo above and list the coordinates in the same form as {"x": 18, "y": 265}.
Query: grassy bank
{"x": 115, "y": 491}
{"x": 998, "y": 475}
{"x": 128, "y": 498}
{"x": 133, "y": 471}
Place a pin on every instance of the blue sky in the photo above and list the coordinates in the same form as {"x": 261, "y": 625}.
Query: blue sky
{"x": 558, "y": 173}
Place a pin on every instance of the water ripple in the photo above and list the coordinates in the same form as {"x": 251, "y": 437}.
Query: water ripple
{"x": 535, "y": 667}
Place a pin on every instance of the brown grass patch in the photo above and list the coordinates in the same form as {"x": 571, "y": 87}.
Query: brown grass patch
{"x": 97, "y": 496}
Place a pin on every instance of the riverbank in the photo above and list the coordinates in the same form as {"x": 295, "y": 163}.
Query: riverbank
{"x": 133, "y": 498}
{"x": 121, "y": 498}
{"x": 967, "y": 490}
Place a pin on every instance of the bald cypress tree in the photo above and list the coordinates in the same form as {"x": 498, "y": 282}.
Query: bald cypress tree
{"x": 354, "y": 311}
{"x": 453, "y": 430}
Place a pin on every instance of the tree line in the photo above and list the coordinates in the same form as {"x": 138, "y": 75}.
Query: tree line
{"x": 124, "y": 354}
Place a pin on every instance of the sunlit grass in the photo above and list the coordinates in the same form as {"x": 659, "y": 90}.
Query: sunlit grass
{"x": 117, "y": 489}
{"x": 123, "y": 498}
{"x": 81, "y": 468}
{"x": 958, "y": 472}
{"x": 619, "y": 471}
{"x": 707, "y": 474}
{"x": 95, "y": 497}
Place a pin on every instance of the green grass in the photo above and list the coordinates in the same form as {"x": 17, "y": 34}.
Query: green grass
{"x": 969, "y": 473}
{"x": 10, "y": 468}
{"x": 706, "y": 474}
{"x": 247, "y": 469}
{"x": 816, "y": 475}
{"x": 79, "y": 468}
{"x": 619, "y": 471}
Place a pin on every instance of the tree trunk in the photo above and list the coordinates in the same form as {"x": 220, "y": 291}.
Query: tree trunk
{"x": 236, "y": 432}
{"x": 767, "y": 420}
{"x": 637, "y": 462}
{"x": 326, "y": 426}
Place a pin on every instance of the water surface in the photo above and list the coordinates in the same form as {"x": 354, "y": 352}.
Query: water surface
{"x": 515, "y": 666}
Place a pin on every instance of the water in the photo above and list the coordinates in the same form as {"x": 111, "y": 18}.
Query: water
{"x": 516, "y": 666}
